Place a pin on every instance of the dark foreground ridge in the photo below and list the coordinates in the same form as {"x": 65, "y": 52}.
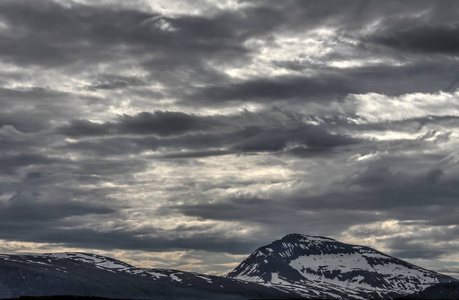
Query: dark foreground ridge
{"x": 58, "y": 297}
{"x": 294, "y": 267}
{"x": 100, "y": 298}
{"x": 65, "y": 297}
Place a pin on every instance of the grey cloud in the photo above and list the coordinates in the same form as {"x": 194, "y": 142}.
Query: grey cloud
{"x": 151, "y": 240}
{"x": 276, "y": 89}
{"x": 35, "y": 163}
{"x": 23, "y": 206}
{"x": 109, "y": 168}
{"x": 11, "y": 163}
{"x": 433, "y": 244}
{"x": 210, "y": 135}
{"x": 329, "y": 84}
{"x": 32, "y": 109}
{"x": 114, "y": 82}
{"x": 424, "y": 39}
{"x": 399, "y": 189}
{"x": 275, "y": 216}
{"x": 116, "y": 146}
{"x": 38, "y": 26}
{"x": 239, "y": 208}
{"x": 405, "y": 192}
{"x": 83, "y": 128}
{"x": 261, "y": 139}
{"x": 192, "y": 154}
{"x": 89, "y": 33}
{"x": 310, "y": 152}
{"x": 33, "y": 175}
{"x": 162, "y": 123}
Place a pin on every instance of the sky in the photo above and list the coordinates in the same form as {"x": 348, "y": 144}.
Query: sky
{"x": 186, "y": 134}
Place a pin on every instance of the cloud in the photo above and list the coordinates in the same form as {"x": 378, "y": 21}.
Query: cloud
{"x": 259, "y": 139}
{"x": 160, "y": 123}
{"x": 424, "y": 39}
{"x": 112, "y": 82}
{"x": 203, "y": 135}
{"x": 23, "y": 206}
{"x": 408, "y": 239}
{"x": 276, "y": 89}
{"x": 220, "y": 127}
{"x": 11, "y": 163}
{"x": 49, "y": 34}
{"x": 324, "y": 85}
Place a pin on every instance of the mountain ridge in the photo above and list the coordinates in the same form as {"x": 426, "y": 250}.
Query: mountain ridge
{"x": 85, "y": 274}
{"x": 279, "y": 270}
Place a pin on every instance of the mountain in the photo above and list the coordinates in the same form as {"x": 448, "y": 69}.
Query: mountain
{"x": 83, "y": 274}
{"x": 300, "y": 260}
{"x": 449, "y": 290}
{"x": 296, "y": 266}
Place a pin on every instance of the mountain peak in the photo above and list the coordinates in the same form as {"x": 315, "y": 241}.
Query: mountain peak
{"x": 302, "y": 259}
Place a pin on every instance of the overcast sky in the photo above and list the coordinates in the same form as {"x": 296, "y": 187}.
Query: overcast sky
{"x": 185, "y": 134}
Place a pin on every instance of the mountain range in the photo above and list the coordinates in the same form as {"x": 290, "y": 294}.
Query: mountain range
{"x": 296, "y": 266}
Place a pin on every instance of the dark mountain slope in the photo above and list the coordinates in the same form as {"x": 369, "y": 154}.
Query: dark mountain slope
{"x": 81, "y": 274}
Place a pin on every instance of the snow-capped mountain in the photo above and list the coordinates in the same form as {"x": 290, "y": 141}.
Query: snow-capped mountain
{"x": 292, "y": 267}
{"x": 300, "y": 260}
{"x": 84, "y": 274}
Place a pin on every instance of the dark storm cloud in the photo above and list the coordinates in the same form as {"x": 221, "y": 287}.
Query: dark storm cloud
{"x": 202, "y": 135}
{"x": 11, "y": 163}
{"x": 23, "y": 206}
{"x": 161, "y": 123}
{"x": 255, "y": 139}
{"x": 329, "y": 84}
{"x": 427, "y": 39}
{"x": 388, "y": 189}
{"x": 275, "y": 89}
{"x": 49, "y": 34}
{"x": 234, "y": 208}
